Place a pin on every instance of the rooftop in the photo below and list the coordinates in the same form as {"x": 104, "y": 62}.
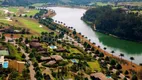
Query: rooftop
{"x": 4, "y": 52}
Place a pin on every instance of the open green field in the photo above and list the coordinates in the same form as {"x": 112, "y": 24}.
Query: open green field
{"x": 94, "y": 66}
{"x": 74, "y": 50}
{"x": 13, "y": 9}
{"x": 131, "y": 3}
{"x": 103, "y": 4}
{"x": 3, "y": 20}
{"x": 31, "y": 12}
{"x": 14, "y": 52}
{"x": 37, "y": 4}
{"x": 3, "y": 52}
{"x": 32, "y": 25}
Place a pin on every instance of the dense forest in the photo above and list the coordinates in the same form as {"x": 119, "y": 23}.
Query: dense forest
{"x": 71, "y": 2}
{"x": 119, "y": 22}
{"x": 28, "y": 2}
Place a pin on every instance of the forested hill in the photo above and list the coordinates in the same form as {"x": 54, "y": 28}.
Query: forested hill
{"x": 27, "y": 2}
{"x": 121, "y": 23}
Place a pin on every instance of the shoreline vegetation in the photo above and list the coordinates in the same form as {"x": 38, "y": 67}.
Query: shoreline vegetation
{"x": 125, "y": 66}
{"x": 93, "y": 27}
{"x": 117, "y": 32}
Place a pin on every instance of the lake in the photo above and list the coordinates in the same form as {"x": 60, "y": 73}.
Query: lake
{"x": 71, "y": 17}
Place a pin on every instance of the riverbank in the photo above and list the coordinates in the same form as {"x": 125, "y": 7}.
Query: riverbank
{"x": 70, "y": 6}
{"x": 126, "y": 65}
{"x": 107, "y": 33}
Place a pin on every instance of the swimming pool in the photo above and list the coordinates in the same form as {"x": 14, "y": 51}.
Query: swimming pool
{"x": 74, "y": 61}
{"x": 5, "y": 64}
{"x": 53, "y": 47}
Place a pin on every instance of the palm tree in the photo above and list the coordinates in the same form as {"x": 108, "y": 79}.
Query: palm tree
{"x": 98, "y": 46}
{"x": 121, "y": 55}
{"x": 112, "y": 52}
{"x": 131, "y": 58}
{"x": 11, "y": 36}
{"x": 105, "y": 48}
{"x": 94, "y": 43}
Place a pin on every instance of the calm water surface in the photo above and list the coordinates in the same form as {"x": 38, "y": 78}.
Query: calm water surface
{"x": 71, "y": 16}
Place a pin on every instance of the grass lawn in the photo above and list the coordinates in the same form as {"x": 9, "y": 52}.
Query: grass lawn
{"x": 4, "y": 52}
{"x": 132, "y": 3}
{"x": 32, "y": 12}
{"x": 74, "y": 50}
{"x": 37, "y": 4}
{"x": 94, "y": 66}
{"x": 13, "y": 51}
{"x": 32, "y": 25}
{"x": 13, "y": 9}
{"x": 3, "y": 20}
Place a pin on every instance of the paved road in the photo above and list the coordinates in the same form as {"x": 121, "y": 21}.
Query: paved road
{"x": 31, "y": 68}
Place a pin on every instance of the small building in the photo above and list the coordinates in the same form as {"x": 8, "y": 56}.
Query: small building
{"x": 51, "y": 62}
{"x": 45, "y": 58}
{"x": 100, "y": 76}
{"x": 3, "y": 63}
{"x": 61, "y": 50}
{"x": 18, "y": 65}
{"x": 53, "y": 47}
{"x": 35, "y": 45}
{"x": 57, "y": 57}
{"x": 35, "y": 40}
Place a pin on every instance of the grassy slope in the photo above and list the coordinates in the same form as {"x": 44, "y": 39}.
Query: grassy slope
{"x": 94, "y": 65}
{"x": 14, "y": 52}
{"x": 13, "y": 9}
{"x": 32, "y": 12}
{"x": 32, "y": 25}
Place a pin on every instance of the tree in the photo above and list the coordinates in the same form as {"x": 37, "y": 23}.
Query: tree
{"x": 74, "y": 32}
{"x": 101, "y": 55}
{"x": 112, "y": 52}
{"x": 118, "y": 66}
{"x": 134, "y": 77}
{"x": 26, "y": 40}
{"x": 121, "y": 55}
{"x": 105, "y": 48}
{"x": 131, "y": 58}
{"x": 35, "y": 64}
{"x": 31, "y": 16}
{"x": 14, "y": 15}
{"x": 113, "y": 62}
{"x": 25, "y": 16}
{"x": 23, "y": 56}
{"x": 97, "y": 52}
{"x": 3, "y": 37}
{"x": 106, "y": 58}
{"x": 126, "y": 72}
{"x": 31, "y": 55}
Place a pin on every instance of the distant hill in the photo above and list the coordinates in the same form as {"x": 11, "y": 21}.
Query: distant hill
{"x": 28, "y": 2}
{"x": 118, "y": 22}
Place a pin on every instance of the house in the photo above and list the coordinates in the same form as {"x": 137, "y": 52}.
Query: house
{"x": 56, "y": 57}
{"x": 61, "y": 50}
{"x": 100, "y": 76}
{"x": 18, "y": 65}
{"x": 51, "y": 62}
{"x": 45, "y": 58}
{"x": 35, "y": 40}
{"x": 35, "y": 45}
{"x": 2, "y": 60}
